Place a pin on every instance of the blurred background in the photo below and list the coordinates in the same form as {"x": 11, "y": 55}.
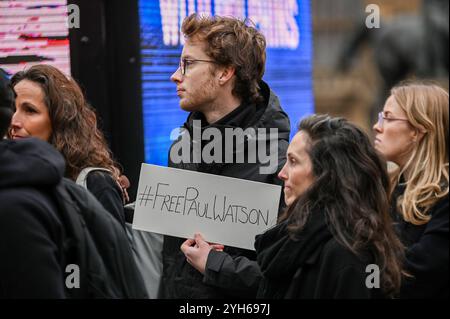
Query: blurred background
{"x": 323, "y": 56}
{"x": 355, "y": 66}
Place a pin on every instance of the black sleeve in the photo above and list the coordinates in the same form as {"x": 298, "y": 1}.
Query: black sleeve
{"x": 105, "y": 189}
{"x": 30, "y": 264}
{"x": 238, "y": 276}
{"x": 428, "y": 259}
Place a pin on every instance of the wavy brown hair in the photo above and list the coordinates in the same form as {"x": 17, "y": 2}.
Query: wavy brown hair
{"x": 426, "y": 172}
{"x": 351, "y": 187}
{"x": 74, "y": 123}
{"x": 232, "y": 42}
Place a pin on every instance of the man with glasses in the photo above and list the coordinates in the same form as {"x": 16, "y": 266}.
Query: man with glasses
{"x": 219, "y": 82}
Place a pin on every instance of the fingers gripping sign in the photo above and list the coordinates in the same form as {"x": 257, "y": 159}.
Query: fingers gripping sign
{"x": 197, "y": 250}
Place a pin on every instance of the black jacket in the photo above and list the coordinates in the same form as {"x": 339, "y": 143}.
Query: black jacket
{"x": 103, "y": 186}
{"x": 31, "y": 234}
{"x": 181, "y": 280}
{"x": 427, "y": 251}
{"x": 314, "y": 267}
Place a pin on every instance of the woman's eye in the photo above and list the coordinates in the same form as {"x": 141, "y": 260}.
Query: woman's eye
{"x": 29, "y": 109}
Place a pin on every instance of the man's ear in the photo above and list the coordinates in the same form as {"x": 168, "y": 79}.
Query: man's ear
{"x": 226, "y": 74}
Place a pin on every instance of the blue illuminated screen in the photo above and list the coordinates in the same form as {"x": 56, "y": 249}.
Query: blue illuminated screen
{"x": 286, "y": 24}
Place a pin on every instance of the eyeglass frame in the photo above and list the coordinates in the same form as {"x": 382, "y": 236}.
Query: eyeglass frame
{"x": 183, "y": 65}
{"x": 382, "y": 118}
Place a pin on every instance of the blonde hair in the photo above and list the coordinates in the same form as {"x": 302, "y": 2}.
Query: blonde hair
{"x": 426, "y": 106}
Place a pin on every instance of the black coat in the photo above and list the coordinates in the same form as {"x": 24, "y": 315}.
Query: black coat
{"x": 316, "y": 266}
{"x": 427, "y": 251}
{"x": 106, "y": 190}
{"x": 31, "y": 234}
{"x": 181, "y": 280}
{"x": 43, "y": 229}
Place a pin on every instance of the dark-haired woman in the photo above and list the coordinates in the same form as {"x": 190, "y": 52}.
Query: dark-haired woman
{"x": 51, "y": 107}
{"x": 336, "y": 238}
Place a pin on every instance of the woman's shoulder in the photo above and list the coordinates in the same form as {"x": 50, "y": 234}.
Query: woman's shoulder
{"x": 439, "y": 214}
{"x": 440, "y": 207}
{"x": 100, "y": 174}
{"x": 99, "y": 181}
{"x": 340, "y": 256}
{"x": 106, "y": 189}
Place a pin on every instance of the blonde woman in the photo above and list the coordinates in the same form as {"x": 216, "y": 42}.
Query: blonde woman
{"x": 412, "y": 131}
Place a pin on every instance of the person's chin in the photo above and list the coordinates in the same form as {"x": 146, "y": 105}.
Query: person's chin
{"x": 288, "y": 200}
{"x": 378, "y": 148}
{"x": 188, "y": 107}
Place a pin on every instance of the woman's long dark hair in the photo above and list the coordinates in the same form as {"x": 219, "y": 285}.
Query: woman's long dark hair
{"x": 351, "y": 187}
{"x": 74, "y": 123}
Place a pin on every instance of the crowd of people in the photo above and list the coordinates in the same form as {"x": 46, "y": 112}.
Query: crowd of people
{"x": 341, "y": 209}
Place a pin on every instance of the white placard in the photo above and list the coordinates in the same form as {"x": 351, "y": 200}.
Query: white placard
{"x": 224, "y": 210}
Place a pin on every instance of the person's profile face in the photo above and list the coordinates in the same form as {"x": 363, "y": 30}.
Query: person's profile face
{"x": 197, "y": 88}
{"x": 31, "y": 118}
{"x": 297, "y": 173}
{"x": 394, "y": 136}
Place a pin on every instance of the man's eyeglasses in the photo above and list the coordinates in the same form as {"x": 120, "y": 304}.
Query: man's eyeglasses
{"x": 382, "y": 118}
{"x": 184, "y": 63}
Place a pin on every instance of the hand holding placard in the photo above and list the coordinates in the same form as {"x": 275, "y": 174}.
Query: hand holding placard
{"x": 197, "y": 250}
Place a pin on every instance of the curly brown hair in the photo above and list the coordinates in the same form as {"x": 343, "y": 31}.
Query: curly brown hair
{"x": 232, "y": 42}
{"x": 74, "y": 123}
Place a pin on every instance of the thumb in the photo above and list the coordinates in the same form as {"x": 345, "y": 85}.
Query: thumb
{"x": 199, "y": 240}
{"x": 186, "y": 245}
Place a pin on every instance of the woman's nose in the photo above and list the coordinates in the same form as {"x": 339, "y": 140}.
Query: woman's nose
{"x": 377, "y": 128}
{"x": 15, "y": 121}
{"x": 282, "y": 174}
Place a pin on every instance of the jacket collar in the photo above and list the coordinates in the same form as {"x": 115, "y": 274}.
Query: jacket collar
{"x": 280, "y": 256}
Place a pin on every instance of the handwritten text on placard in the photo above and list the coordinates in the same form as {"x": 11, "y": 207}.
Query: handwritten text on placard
{"x": 225, "y": 210}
